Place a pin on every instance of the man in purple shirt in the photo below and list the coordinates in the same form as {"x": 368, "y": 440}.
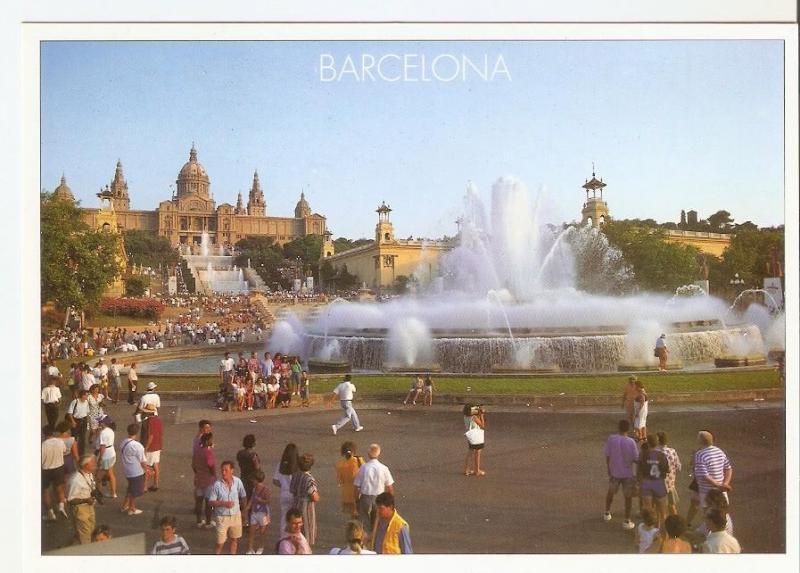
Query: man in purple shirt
{"x": 621, "y": 454}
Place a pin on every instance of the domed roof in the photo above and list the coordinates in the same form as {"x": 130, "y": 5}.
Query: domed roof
{"x": 302, "y": 209}
{"x": 192, "y": 169}
{"x": 63, "y": 191}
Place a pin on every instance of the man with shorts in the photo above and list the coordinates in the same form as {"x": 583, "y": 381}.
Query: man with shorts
{"x": 674, "y": 468}
{"x": 53, "y": 451}
{"x": 51, "y": 398}
{"x": 621, "y": 454}
{"x": 135, "y": 468}
{"x": 712, "y": 468}
{"x": 152, "y": 438}
{"x": 150, "y": 398}
{"x": 227, "y": 497}
{"x": 653, "y": 472}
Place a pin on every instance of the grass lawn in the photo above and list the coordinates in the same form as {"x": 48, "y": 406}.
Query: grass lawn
{"x": 601, "y": 385}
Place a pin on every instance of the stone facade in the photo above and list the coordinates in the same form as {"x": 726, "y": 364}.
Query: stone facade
{"x": 192, "y": 211}
{"x": 380, "y": 263}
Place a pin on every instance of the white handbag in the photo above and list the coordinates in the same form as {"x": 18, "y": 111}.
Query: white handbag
{"x": 475, "y": 436}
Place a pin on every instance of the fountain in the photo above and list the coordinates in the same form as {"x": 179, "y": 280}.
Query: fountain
{"x": 215, "y": 273}
{"x": 519, "y": 296}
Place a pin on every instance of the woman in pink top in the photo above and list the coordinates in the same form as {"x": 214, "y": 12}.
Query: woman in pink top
{"x": 203, "y": 464}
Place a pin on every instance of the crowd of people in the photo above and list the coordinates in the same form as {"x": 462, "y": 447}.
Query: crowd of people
{"x": 646, "y": 467}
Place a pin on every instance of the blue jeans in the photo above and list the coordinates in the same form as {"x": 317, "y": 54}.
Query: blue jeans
{"x": 349, "y": 415}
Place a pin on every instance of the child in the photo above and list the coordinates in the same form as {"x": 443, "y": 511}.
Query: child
{"x": 171, "y": 543}
{"x": 427, "y": 391}
{"x": 640, "y": 412}
{"x": 646, "y": 531}
{"x": 258, "y": 505}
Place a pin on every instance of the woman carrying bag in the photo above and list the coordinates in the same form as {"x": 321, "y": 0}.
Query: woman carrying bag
{"x": 474, "y": 424}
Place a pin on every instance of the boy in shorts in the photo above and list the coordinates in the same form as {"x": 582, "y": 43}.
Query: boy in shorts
{"x": 258, "y": 507}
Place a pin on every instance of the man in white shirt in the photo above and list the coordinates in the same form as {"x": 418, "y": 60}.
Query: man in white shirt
{"x": 150, "y": 398}
{"x": 718, "y": 539}
{"x": 114, "y": 377}
{"x": 373, "y": 478}
{"x": 78, "y": 416}
{"x": 345, "y": 391}
{"x": 226, "y": 368}
{"x": 53, "y": 451}
{"x": 135, "y": 468}
{"x": 51, "y": 398}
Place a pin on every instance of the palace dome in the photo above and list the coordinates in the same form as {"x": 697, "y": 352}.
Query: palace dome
{"x": 63, "y": 191}
{"x": 302, "y": 209}
{"x": 192, "y": 177}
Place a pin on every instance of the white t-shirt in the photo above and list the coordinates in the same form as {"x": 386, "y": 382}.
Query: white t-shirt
{"x": 348, "y": 551}
{"x": 105, "y": 438}
{"x": 372, "y": 478}
{"x": 53, "y": 371}
{"x": 51, "y": 394}
{"x": 345, "y": 390}
{"x": 150, "y": 398}
{"x": 226, "y": 364}
{"x": 53, "y": 451}
{"x": 132, "y": 456}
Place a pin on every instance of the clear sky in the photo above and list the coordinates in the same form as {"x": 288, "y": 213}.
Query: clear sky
{"x": 670, "y": 125}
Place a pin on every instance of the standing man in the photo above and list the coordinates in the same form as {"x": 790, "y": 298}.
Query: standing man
{"x": 78, "y": 416}
{"x": 203, "y": 427}
{"x": 390, "y": 534}
{"x": 152, "y": 438}
{"x": 51, "y": 398}
{"x": 53, "y": 451}
{"x": 80, "y": 488}
{"x": 135, "y": 468}
{"x": 114, "y": 378}
{"x": 712, "y": 468}
{"x": 150, "y": 398}
{"x": 345, "y": 391}
{"x": 621, "y": 454}
{"x": 373, "y": 478}
{"x": 267, "y": 365}
{"x": 226, "y": 368}
{"x": 661, "y": 352}
{"x": 674, "y": 468}
{"x": 227, "y": 497}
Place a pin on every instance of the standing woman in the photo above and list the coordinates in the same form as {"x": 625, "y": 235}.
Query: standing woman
{"x": 133, "y": 380}
{"x": 282, "y": 478}
{"x": 205, "y": 474}
{"x": 304, "y": 490}
{"x": 346, "y": 470}
{"x": 640, "y": 411}
{"x": 474, "y": 424}
{"x": 106, "y": 456}
{"x": 95, "y": 400}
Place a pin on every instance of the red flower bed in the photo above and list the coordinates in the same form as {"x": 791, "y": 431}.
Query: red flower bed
{"x": 136, "y": 307}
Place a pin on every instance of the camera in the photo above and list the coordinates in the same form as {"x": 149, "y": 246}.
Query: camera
{"x": 98, "y": 496}
{"x": 475, "y": 410}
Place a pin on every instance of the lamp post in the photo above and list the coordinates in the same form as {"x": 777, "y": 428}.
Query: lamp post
{"x": 736, "y": 284}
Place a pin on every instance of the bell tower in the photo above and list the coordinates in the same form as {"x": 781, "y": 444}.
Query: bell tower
{"x": 384, "y": 231}
{"x": 328, "y": 249}
{"x": 119, "y": 190}
{"x": 256, "y": 207}
{"x": 595, "y": 210}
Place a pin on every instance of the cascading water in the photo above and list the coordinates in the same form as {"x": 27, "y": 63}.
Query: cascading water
{"x": 521, "y": 293}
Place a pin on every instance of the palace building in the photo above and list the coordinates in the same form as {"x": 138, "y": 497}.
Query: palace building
{"x": 192, "y": 211}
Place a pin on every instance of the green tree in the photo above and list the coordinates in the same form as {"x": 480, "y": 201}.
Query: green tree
{"x": 343, "y": 244}
{"x": 77, "y": 263}
{"x": 145, "y": 248}
{"x": 720, "y": 221}
{"x": 266, "y": 258}
{"x": 749, "y": 254}
{"x": 136, "y": 285}
{"x": 657, "y": 264}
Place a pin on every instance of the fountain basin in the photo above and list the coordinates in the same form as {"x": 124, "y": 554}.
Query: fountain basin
{"x": 513, "y": 369}
{"x": 321, "y": 366}
{"x": 731, "y": 361}
{"x": 648, "y": 366}
{"x": 388, "y": 367}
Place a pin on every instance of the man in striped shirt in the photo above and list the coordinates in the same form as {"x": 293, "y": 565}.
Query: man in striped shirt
{"x": 712, "y": 468}
{"x": 170, "y": 543}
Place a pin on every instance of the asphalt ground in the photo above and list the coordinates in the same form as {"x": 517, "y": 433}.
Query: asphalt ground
{"x": 543, "y": 491}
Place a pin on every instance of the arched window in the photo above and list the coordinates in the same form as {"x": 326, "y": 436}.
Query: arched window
{"x": 386, "y": 237}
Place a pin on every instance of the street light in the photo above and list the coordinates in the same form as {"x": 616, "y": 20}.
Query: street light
{"x": 736, "y": 281}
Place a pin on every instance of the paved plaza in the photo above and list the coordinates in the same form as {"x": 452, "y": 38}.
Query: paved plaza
{"x": 543, "y": 491}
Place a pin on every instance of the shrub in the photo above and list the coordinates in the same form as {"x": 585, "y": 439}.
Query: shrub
{"x": 134, "y": 307}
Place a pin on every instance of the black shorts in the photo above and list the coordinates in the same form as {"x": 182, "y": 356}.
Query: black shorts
{"x": 54, "y": 476}
{"x": 476, "y": 446}
{"x": 136, "y": 486}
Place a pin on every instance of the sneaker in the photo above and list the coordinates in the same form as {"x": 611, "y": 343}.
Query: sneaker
{"x": 201, "y": 524}
{"x": 250, "y": 552}
{"x": 334, "y": 429}
{"x": 259, "y": 551}
{"x": 135, "y": 512}
{"x": 51, "y": 515}
{"x": 627, "y": 524}
{"x": 211, "y": 524}
{"x": 359, "y": 428}
{"x": 607, "y": 516}
{"x": 249, "y": 409}
{"x": 63, "y": 512}
{"x": 114, "y": 496}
